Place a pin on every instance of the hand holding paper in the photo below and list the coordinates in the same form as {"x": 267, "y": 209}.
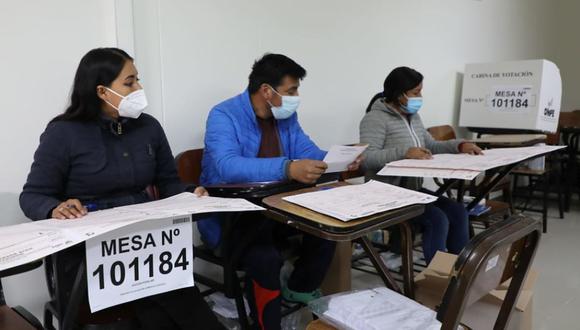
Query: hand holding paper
{"x": 343, "y": 158}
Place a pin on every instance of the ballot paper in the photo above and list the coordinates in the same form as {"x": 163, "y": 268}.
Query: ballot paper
{"x": 339, "y": 157}
{"x": 356, "y": 201}
{"x": 24, "y": 243}
{"x": 186, "y": 203}
{"x": 428, "y": 173}
{"x": 379, "y": 309}
{"x": 459, "y": 166}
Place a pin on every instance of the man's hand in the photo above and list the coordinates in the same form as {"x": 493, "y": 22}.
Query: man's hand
{"x": 200, "y": 191}
{"x": 418, "y": 153}
{"x": 306, "y": 170}
{"x": 69, "y": 209}
{"x": 470, "y": 148}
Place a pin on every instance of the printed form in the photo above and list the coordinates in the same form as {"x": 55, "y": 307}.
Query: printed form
{"x": 459, "y": 166}
{"x": 27, "y": 242}
{"x": 357, "y": 201}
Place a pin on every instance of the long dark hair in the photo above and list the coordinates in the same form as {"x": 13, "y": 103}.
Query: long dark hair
{"x": 100, "y": 66}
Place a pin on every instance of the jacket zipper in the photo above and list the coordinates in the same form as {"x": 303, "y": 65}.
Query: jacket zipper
{"x": 414, "y": 136}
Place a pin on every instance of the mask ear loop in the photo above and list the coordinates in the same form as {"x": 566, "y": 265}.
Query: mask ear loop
{"x": 273, "y": 90}
{"x": 119, "y": 95}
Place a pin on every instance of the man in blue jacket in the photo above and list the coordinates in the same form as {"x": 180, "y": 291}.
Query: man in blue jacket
{"x": 255, "y": 137}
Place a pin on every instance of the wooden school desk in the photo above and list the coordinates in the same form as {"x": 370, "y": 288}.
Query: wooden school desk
{"x": 329, "y": 228}
{"x": 509, "y": 140}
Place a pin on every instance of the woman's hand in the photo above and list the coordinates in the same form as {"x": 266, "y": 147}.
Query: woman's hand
{"x": 470, "y": 148}
{"x": 69, "y": 209}
{"x": 418, "y": 153}
{"x": 200, "y": 191}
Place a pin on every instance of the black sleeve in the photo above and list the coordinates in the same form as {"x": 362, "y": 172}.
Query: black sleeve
{"x": 166, "y": 178}
{"x": 44, "y": 187}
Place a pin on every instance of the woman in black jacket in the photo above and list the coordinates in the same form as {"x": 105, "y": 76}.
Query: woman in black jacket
{"x": 103, "y": 152}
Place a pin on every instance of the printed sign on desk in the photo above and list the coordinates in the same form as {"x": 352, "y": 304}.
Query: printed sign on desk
{"x": 140, "y": 260}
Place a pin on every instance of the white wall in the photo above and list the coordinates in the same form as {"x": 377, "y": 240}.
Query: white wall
{"x": 193, "y": 54}
{"x": 203, "y": 51}
{"x": 566, "y": 50}
{"x": 42, "y": 43}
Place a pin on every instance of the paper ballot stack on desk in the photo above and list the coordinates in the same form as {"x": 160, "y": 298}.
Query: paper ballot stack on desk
{"x": 361, "y": 200}
{"x": 463, "y": 166}
{"x": 374, "y": 309}
{"x": 27, "y": 242}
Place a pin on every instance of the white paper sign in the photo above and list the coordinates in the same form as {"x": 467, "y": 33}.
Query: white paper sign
{"x": 513, "y": 98}
{"x": 139, "y": 260}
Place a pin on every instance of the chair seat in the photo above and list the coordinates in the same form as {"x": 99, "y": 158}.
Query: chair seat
{"x": 10, "y": 320}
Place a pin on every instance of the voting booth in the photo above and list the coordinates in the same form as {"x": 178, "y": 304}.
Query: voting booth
{"x": 519, "y": 95}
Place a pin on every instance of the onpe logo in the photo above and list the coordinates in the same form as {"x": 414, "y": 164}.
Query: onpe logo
{"x": 549, "y": 111}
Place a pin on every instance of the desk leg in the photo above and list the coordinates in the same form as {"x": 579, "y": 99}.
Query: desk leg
{"x": 378, "y": 263}
{"x": 407, "y": 256}
{"x": 338, "y": 276}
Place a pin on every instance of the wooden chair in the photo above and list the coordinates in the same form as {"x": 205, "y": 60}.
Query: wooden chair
{"x": 569, "y": 127}
{"x": 506, "y": 250}
{"x": 17, "y": 318}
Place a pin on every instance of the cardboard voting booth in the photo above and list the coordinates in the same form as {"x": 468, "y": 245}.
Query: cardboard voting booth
{"x": 519, "y": 95}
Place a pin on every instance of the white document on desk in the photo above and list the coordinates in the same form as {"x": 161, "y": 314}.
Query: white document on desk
{"x": 339, "y": 157}
{"x": 491, "y": 158}
{"x": 357, "y": 201}
{"x": 27, "y": 242}
{"x": 428, "y": 173}
{"x": 192, "y": 204}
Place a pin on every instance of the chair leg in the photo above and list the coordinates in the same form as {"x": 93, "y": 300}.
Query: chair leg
{"x": 48, "y": 319}
{"x": 546, "y": 183}
{"x": 560, "y": 197}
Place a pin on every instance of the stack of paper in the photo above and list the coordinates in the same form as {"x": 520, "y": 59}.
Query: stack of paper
{"x": 463, "y": 166}
{"x": 23, "y": 243}
{"x": 379, "y": 309}
{"x": 357, "y": 201}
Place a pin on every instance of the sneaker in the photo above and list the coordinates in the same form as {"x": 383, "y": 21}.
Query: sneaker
{"x": 300, "y": 297}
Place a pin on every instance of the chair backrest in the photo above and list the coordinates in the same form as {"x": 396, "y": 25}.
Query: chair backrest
{"x": 189, "y": 165}
{"x": 16, "y": 318}
{"x": 442, "y": 133}
{"x": 376, "y": 97}
{"x": 569, "y": 119}
{"x": 504, "y": 251}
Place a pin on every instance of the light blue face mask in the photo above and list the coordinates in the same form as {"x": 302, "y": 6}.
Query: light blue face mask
{"x": 413, "y": 105}
{"x": 287, "y": 109}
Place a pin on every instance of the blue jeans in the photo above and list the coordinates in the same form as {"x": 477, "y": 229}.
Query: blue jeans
{"x": 445, "y": 227}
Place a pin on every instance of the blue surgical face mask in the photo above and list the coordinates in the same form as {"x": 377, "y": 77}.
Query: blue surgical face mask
{"x": 413, "y": 105}
{"x": 288, "y": 107}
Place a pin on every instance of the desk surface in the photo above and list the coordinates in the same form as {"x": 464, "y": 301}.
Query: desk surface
{"x": 510, "y": 140}
{"x": 289, "y": 212}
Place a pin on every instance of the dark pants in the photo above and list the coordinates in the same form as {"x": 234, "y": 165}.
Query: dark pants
{"x": 445, "y": 227}
{"x": 262, "y": 261}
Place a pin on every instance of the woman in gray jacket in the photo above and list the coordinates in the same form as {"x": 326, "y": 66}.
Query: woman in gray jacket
{"x": 393, "y": 130}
